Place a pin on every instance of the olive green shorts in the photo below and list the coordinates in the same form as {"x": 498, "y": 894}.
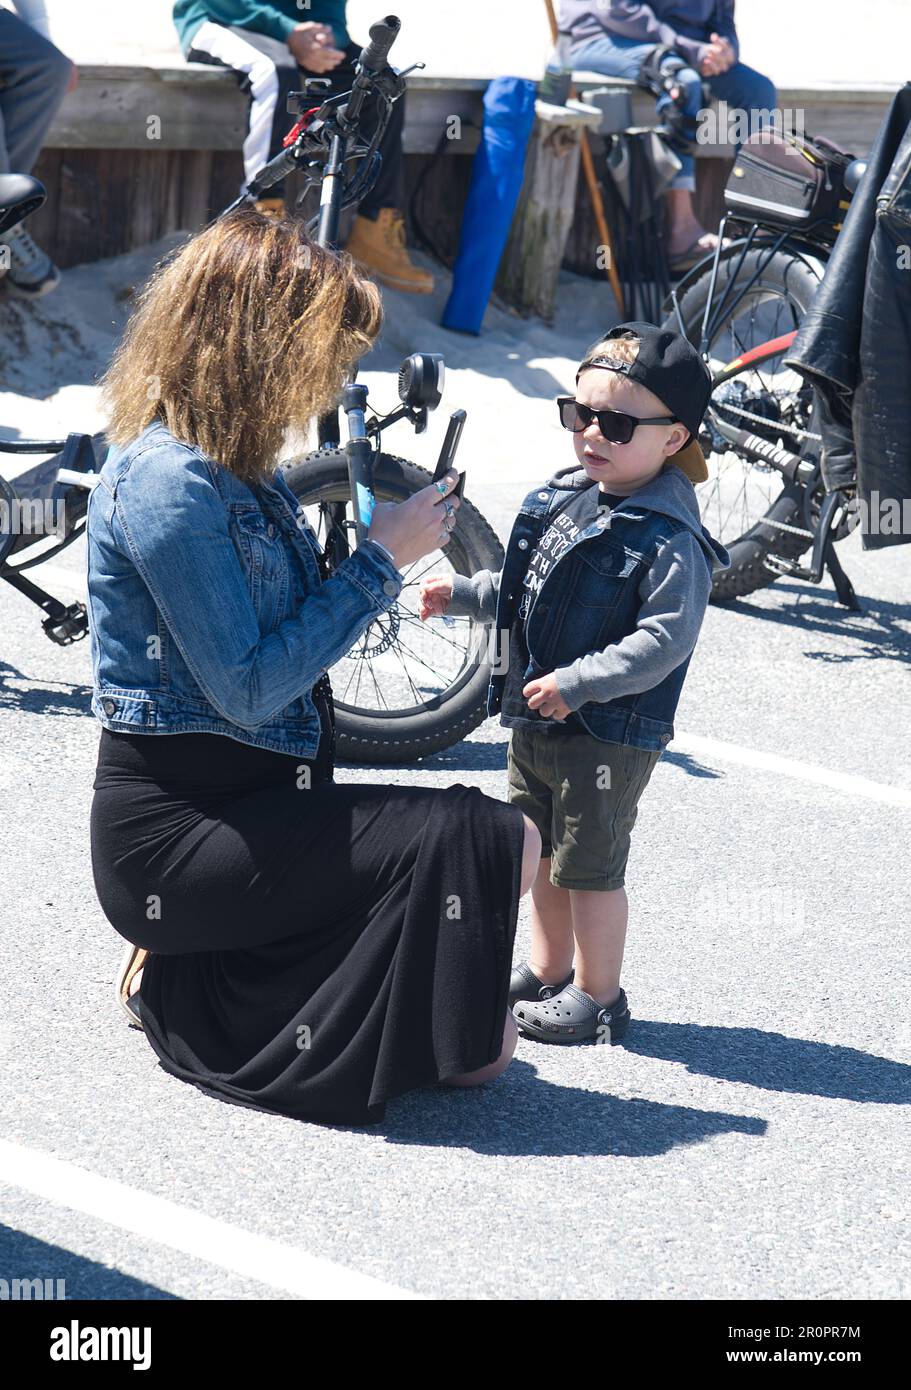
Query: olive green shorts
{"x": 583, "y": 794}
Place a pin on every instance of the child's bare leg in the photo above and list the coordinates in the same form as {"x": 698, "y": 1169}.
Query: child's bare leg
{"x": 551, "y": 928}
{"x": 599, "y": 923}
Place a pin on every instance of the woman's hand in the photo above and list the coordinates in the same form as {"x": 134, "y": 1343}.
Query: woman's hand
{"x": 435, "y": 597}
{"x": 312, "y": 45}
{"x": 543, "y": 694}
{"x": 419, "y": 525}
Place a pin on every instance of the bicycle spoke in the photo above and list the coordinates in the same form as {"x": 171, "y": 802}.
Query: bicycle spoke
{"x": 388, "y": 669}
{"x": 415, "y": 621}
{"x": 740, "y": 491}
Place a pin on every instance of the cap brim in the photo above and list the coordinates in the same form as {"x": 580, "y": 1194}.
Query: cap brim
{"x": 691, "y": 461}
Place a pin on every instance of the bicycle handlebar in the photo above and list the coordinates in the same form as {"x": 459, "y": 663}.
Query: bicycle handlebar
{"x": 383, "y": 35}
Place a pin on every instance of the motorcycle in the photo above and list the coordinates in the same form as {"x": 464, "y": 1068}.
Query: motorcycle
{"x": 742, "y": 306}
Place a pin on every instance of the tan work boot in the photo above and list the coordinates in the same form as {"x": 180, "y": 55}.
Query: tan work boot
{"x": 272, "y": 207}
{"x": 379, "y": 249}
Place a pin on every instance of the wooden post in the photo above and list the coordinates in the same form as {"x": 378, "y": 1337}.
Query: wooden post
{"x": 534, "y": 252}
{"x": 591, "y": 182}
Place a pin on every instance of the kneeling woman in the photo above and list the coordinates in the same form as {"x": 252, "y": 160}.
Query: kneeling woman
{"x": 296, "y": 948}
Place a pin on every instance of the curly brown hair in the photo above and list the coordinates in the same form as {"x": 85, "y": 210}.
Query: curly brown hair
{"x": 249, "y": 330}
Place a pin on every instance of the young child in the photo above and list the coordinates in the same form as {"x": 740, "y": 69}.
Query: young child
{"x": 603, "y": 591}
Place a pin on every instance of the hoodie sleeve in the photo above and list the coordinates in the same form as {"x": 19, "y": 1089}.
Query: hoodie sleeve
{"x": 636, "y": 21}
{"x": 475, "y": 597}
{"x": 674, "y": 593}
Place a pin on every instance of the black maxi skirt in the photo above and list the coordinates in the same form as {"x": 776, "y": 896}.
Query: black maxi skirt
{"x": 316, "y": 948}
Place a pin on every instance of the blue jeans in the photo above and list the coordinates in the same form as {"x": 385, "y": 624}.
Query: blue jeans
{"x": 741, "y": 87}
{"x": 33, "y": 80}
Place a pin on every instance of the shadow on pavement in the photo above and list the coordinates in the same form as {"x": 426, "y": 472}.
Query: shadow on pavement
{"x": 38, "y": 698}
{"x": 519, "y": 1114}
{"x": 775, "y": 1062}
{"x": 877, "y": 628}
{"x": 23, "y": 1257}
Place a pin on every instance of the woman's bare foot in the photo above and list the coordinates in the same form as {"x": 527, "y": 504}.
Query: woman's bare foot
{"x": 493, "y": 1069}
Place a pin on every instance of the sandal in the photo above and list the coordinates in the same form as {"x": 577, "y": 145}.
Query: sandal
{"x": 131, "y": 962}
{"x": 695, "y": 252}
{"x": 573, "y": 1016}
{"x": 525, "y": 984}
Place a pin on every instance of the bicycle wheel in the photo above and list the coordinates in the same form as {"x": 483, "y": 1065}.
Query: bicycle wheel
{"x": 406, "y": 689}
{"x": 748, "y": 505}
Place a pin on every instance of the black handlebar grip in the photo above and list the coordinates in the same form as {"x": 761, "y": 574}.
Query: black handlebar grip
{"x": 383, "y": 35}
{"x": 281, "y": 164}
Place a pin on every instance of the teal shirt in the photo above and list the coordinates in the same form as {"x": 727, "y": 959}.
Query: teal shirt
{"x": 273, "y": 17}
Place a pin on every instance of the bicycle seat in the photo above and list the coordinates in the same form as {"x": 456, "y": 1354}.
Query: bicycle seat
{"x": 854, "y": 173}
{"x": 20, "y": 195}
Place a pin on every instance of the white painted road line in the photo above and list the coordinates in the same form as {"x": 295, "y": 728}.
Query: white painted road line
{"x": 845, "y": 782}
{"x": 215, "y": 1242}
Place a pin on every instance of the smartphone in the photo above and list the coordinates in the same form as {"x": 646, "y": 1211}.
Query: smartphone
{"x": 448, "y": 452}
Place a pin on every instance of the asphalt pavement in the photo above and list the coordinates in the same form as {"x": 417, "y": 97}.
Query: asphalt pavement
{"x": 749, "y": 1140}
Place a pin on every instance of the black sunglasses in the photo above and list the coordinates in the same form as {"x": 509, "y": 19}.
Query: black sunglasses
{"x": 615, "y": 425}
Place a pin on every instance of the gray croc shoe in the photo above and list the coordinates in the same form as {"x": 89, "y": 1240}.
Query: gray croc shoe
{"x": 573, "y": 1016}
{"x": 525, "y": 984}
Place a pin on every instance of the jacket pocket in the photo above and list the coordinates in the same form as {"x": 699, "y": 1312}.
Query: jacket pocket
{"x": 264, "y": 559}
{"x": 602, "y": 571}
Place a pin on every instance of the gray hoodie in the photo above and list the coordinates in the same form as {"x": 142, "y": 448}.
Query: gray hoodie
{"x": 684, "y": 24}
{"x": 674, "y": 594}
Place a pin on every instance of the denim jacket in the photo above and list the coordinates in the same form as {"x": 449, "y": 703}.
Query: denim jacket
{"x": 591, "y": 600}
{"x": 208, "y": 611}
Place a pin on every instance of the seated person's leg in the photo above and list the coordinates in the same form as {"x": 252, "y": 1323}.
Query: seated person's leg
{"x": 690, "y": 105}
{"x": 745, "y": 89}
{"x": 34, "y": 76}
{"x": 688, "y": 240}
{"x": 377, "y": 240}
{"x": 267, "y": 71}
{"x": 612, "y": 55}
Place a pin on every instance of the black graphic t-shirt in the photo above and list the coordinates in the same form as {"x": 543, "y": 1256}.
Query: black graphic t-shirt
{"x": 574, "y": 517}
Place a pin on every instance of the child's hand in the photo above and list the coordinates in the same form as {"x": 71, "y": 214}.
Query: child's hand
{"x": 434, "y": 597}
{"x": 543, "y": 694}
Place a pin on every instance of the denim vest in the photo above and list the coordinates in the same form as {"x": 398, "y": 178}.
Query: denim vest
{"x": 208, "y": 611}
{"x": 588, "y": 599}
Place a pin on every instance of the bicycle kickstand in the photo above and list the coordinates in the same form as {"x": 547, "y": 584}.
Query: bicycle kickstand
{"x": 843, "y": 586}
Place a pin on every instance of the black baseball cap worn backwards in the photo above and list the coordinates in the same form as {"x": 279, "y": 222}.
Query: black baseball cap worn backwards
{"x": 669, "y": 366}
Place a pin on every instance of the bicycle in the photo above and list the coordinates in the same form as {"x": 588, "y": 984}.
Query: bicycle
{"x": 408, "y": 689}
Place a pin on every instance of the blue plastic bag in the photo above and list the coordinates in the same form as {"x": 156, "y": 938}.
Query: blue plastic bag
{"x": 496, "y": 181}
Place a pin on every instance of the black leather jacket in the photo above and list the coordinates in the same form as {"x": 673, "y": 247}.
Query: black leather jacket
{"x": 855, "y": 342}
